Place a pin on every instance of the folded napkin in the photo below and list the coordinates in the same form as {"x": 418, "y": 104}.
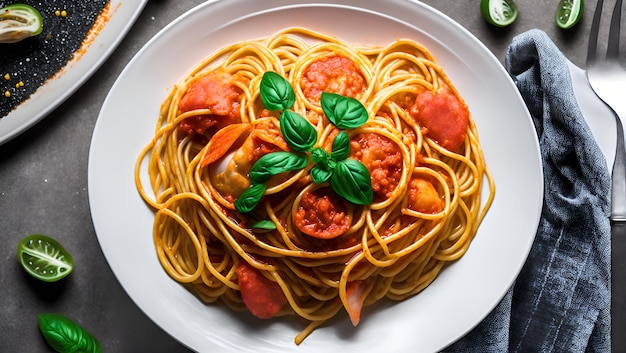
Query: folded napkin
{"x": 561, "y": 300}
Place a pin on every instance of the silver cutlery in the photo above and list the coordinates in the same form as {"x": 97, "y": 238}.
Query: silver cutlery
{"x": 607, "y": 78}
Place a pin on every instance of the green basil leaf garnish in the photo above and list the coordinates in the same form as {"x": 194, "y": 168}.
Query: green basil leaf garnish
{"x": 248, "y": 200}
{"x": 321, "y": 157}
{"x": 320, "y": 175}
{"x": 65, "y": 336}
{"x": 275, "y": 163}
{"x": 267, "y": 224}
{"x": 297, "y": 131}
{"x": 341, "y": 146}
{"x": 318, "y": 155}
{"x": 276, "y": 92}
{"x": 343, "y": 112}
{"x": 351, "y": 180}
{"x": 324, "y": 165}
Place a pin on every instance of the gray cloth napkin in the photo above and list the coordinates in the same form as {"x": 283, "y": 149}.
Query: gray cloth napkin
{"x": 560, "y": 301}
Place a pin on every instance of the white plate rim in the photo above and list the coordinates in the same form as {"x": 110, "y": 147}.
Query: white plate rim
{"x": 74, "y": 74}
{"x": 192, "y": 335}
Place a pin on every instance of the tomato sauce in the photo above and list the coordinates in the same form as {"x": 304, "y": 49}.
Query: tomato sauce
{"x": 322, "y": 214}
{"x": 261, "y": 148}
{"x": 335, "y": 74}
{"x": 261, "y": 296}
{"x": 443, "y": 117}
{"x": 383, "y": 160}
{"x": 215, "y": 92}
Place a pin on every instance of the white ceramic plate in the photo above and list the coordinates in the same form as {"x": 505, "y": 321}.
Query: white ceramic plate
{"x": 462, "y": 295}
{"x": 57, "y": 89}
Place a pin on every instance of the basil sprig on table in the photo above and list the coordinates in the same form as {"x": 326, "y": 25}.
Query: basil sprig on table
{"x": 349, "y": 178}
{"x": 65, "y": 336}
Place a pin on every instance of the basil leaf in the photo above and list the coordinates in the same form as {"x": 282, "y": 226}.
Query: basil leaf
{"x": 343, "y": 112}
{"x": 275, "y": 163}
{"x": 265, "y": 224}
{"x": 64, "y": 335}
{"x": 276, "y": 92}
{"x": 324, "y": 165}
{"x": 341, "y": 146}
{"x": 248, "y": 200}
{"x": 297, "y": 131}
{"x": 320, "y": 175}
{"x": 320, "y": 156}
{"x": 351, "y": 180}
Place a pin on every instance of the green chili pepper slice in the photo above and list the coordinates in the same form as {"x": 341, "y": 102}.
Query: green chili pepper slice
{"x": 499, "y": 13}
{"x": 18, "y": 22}
{"x": 569, "y": 12}
{"x": 44, "y": 258}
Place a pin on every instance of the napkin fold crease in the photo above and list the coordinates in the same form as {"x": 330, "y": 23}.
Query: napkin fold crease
{"x": 560, "y": 301}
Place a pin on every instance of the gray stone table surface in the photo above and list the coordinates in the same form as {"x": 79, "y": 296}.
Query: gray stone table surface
{"x": 43, "y": 188}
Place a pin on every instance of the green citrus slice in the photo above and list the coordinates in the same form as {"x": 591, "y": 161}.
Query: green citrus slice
{"x": 569, "y": 13}
{"x": 499, "y": 13}
{"x": 19, "y": 21}
{"x": 44, "y": 258}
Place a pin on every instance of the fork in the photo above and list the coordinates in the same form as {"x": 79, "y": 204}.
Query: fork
{"x": 608, "y": 80}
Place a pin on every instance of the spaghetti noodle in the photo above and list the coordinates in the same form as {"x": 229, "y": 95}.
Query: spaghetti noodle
{"x": 304, "y": 249}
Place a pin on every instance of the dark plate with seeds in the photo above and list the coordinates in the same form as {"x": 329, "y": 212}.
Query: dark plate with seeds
{"x": 39, "y": 73}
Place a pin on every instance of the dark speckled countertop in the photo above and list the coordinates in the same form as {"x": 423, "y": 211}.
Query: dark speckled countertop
{"x": 43, "y": 189}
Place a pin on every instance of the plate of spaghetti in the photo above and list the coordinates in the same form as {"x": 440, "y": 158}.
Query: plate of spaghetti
{"x": 267, "y": 177}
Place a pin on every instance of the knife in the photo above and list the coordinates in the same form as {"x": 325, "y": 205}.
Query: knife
{"x": 618, "y": 246}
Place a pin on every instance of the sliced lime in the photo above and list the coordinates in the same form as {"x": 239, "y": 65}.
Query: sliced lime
{"x": 44, "y": 258}
{"x": 499, "y": 13}
{"x": 569, "y": 13}
{"x": 19, "y": 21}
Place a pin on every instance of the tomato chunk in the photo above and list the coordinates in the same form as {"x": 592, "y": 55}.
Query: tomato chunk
{"x": 383, "y": 160}
{"x": 215, "y": 92}
{"x": 335, "y": 74}
{"x": 443, "y": 117}
{"x": 261, "y": 296}
{"x": 322, "y": 214}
